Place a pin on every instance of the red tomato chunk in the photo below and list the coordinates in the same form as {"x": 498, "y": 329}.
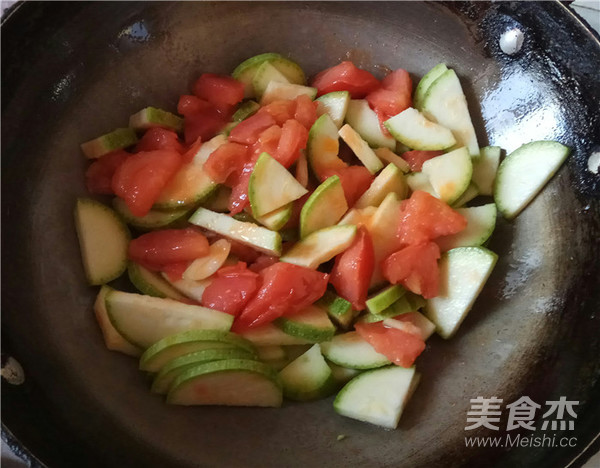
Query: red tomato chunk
{"x": 415, "y": 159}
{"x": 355, "y": 181}
{"x": 345, "y": 77}
{"x": 231, "y": 289}
{"x": 158, "y": 139}
{"x": 392, "y": 97}
{"x": 227, "y": 159}
{"x": 222, "y": 91}
{"x": 285, "y": 289}
{"x": 415, "y": 267}
{"x": 201, "y": 118}
{"x": 353, "y": 269}
{"x": 141, "y": 177}
{"x": 424, "y": 217}
{"x": 98, "y": 177}
{"x": 158, "y": 248}
{"x": 400, "y": 347}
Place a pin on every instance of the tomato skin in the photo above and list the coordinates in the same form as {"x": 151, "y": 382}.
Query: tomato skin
{"x": 284, "y": 290}
{"x": 353, "y": 269}
{"x": 219, "y": 90}
{"x": 201, "y": 118}
{"x": 226, "y": 159}
{"x": 345, "y": 77}
{"x": 141, "y": 177}
{"x": 98, "y": 176}
{"x": 262, "y": 262}
{"x": 424, "y": 217}
{"x": 191, "y": 151}
{"x": 174, "y": 270}
{"x": 415, "y": 158}
{"x": 306, "y": 111}
{"x": 168, "y": 246}
{"x": 159, "y": 138}
{"x": 415, "y": 267}
{"x": 231, "y": 289}
{"x": 280, "y": 111}
{"x": 355, "y": 181}
{"x": 267, "y": 141}
{"x": 294, "y": 137}
{"x": 248, "y": 131}
{"x": 394, "y": 96}
{"x": 398, "y": 346}
{"x": 238, "y": 200}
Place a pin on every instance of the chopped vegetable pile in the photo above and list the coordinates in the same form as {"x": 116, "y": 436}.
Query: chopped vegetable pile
{"x": 294, "y": 240}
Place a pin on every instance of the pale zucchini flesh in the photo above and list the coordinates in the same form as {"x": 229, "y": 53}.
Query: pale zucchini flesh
{"x": 481, "y": 221}
{"x": 334, "y": 104}
{"x": 426, "y": 82}
{"x": 485, "y": 168}
{"x": 351, "y": 350}
{"x": 320, "y": 246}
{"x": 364, "y": 120}
{"x": 271, "y": 186}
{"x": 151, "y": 117}
{"x": 323, "y": 147}
{"x": 117, "y": 139}
{"x": 523, "y": 174}
{"x": 103, "y": 241}
{"x": 361, "y": 149}
{"x": 180, "y": 344}
{"x": 249, "y": 234}
{"x": 173, "y": 368}
{"x": 377, "y": 397}
{"x": 151, "y": 283}
{"x": 112, "y": 338}
{"x": 155, "y": 219}
{"x": 446, "y": 104}
{"x": 308, "y": 377}
{"x": 311, "y": 324}
{"x": 144, "y": 320}
{"x": 246, "y": 70}
{"x": 389, "y": 180}
{"x": 412, "y": 129}
{"x": 219, "y": 383}
{"x": 449, "y": 174}
{"x": 324, "y": 208}
{"x": 463, "y": 274}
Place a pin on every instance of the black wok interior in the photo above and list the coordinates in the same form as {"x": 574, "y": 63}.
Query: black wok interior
{"x": 72, "y": 71}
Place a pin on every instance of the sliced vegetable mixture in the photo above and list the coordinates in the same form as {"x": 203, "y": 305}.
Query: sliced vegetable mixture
{"x": 294, "y": 240}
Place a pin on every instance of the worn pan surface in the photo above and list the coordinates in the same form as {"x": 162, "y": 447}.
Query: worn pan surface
{"x": 73, "y": 71}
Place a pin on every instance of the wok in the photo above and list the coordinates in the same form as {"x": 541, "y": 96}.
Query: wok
{"x": 72, "y": 71}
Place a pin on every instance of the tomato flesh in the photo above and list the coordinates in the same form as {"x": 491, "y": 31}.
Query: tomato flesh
{"x": 355, "y": 181}
{"x": 248, "y": 131}
{"x": 393, "y": 97}
{"x": 159, "y": 138}
{"x": 424, "y": 217}
{"x": 227, "y": 159}
{"x": 306, "y": 111}
{"x": 267, "y": 141}
{"x": 168, "y": 246}
{"x": 220, "y": 90}
{"x": 280, "y": 111}
{"x": 398, "y": 346}
{"x": 353, "y": 269}
{"x": 415, "y": 158}
{"x": 294, "y": 137}
{"x": 141, "y": 177}
{"x": 415, "y": 267}
{"x": 285, "y": 289}
{"x": 231, "y": 289}
{"x": 98, "y": 177}
{"x": 201, "y": 118}
{"x": 345, "y": 77}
